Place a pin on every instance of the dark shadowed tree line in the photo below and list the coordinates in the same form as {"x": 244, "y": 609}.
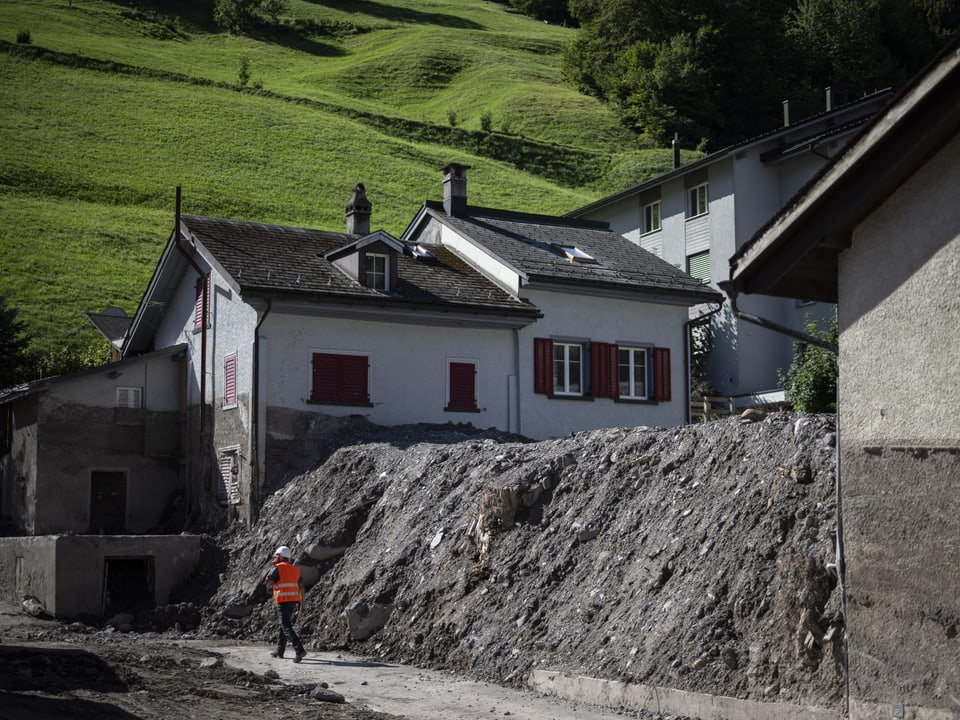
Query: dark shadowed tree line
{"x": 718, "y": 70}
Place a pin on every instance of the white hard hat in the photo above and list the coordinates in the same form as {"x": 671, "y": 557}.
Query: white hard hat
{"x": 283, "y": 551}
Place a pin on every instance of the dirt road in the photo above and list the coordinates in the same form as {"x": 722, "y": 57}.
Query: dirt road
{"x": 411, "y": 692}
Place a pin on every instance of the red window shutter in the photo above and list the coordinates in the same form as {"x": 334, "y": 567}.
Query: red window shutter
{"x": 543, "y": 366}
{"x": 353, "y": 379}
{"x": 463, "y": 386}
{"x": 324, "y": 377}
{"x": 604, "y": 370}
{"x": 203, "y": 291}
{"x": 230, "y": 380}
{"x": 340, "y": 379}
{"x": 661, "y": 374}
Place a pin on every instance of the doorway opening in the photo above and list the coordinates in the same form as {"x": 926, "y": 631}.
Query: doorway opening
{"x": 128, "y": 585}
{"x": 108, "y": 502}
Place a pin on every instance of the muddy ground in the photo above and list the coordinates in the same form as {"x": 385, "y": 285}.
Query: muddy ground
{"x": 697, "y": 558}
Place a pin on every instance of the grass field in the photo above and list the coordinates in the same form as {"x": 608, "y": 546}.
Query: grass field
{"x": 112, "y": 105}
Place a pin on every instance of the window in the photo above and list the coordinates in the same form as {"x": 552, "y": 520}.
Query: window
{"x": 203, "y": 291}
{"x": 340, "y": 379}
{"x": 462, "y": 386}
{"x": 375, "y": 271}
{"x": 228, "y": 487}
{"x": 230, "y": 381}
{"x": 632, "y": 373}
{"x": 575, "y": 254}
{"x": 567, "y": 368}
{"x": 698, "y": 201}
{"x": 129, "y": 397}
{"x": 651, "y": 217}
{"x": 698, "y": 266}
{"x": 627, "y": 373}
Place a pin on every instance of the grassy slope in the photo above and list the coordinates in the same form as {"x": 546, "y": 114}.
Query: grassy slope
{"x": 90, "y": 159}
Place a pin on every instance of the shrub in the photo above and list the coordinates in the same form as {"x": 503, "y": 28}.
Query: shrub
{"x": 811, "y": 381}
{"x": 243, "y": 77}
{"x": 23, "y": 37}
{"x": 486, "y": 122}
{"x": 452, "y": 117}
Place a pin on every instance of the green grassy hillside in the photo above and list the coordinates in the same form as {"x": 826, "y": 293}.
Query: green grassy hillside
{"x": 112, "y": 105}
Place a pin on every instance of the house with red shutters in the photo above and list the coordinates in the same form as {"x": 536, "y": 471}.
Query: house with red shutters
{"x": 533, "y": 324}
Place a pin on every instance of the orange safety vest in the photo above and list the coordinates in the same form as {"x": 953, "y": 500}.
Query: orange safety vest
{"x": 287, "y": 589}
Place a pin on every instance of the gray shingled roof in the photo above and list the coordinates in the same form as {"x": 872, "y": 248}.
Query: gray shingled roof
{"x": 528, "y": 243}
{"x": 279, "y": 259}
{"x": 111, "y": 326}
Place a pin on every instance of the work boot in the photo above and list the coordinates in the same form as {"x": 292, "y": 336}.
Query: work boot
{"x": 300, "y": 655}
{"x": 276, "y": 653}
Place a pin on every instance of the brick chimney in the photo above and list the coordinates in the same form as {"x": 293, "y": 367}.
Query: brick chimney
{"x": 455, "y": 188}
{"x": 358, "y": 211}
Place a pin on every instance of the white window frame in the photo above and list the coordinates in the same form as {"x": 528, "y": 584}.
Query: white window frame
{"x": 647, "y": 213}
{"x": 130, "y": 397}
{"x": 695, "y": 195}
{"x": 632, "y": 350}
{"x": 367, "y": 273}
{"x": 689, "y": 268}
{"x": 565, "y": 346}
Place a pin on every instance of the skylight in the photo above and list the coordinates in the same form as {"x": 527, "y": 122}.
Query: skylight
{"x": 575, "y": 254}
{"x": 418, "y": 251}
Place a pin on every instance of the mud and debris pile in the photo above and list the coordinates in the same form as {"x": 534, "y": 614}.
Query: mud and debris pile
{"x": 699, "y": 558}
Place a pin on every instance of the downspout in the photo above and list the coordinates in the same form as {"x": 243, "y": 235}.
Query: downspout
{"x": 688, "y": 350}
{"x": 516, "y": 374}
{"x": 839, "y": 565}
{"x": 255, "y": 422}
{"x": 770, "y": 325}
{"x": 203, "y": 317}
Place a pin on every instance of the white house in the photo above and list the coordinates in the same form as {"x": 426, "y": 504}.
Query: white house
{"x": 697, "y": 215}
{"x": 610, "y": 346}
{"x": 878, "y": 232}
{"x": 532, "y": 324}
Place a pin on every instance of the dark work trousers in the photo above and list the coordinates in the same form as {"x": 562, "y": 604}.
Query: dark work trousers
{"x": 285, "y": 613}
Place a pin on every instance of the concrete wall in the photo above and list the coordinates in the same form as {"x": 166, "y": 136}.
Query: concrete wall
{"x": 899, "y": 299}
{"x": 66, "y": 573}
{"x": 18, "y": 469}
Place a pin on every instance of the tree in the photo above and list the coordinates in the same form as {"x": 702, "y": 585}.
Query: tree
{"x": 13, "y": 345}
{"x": 720, "y": 69}
{"x": 811, "y": 381}
{"x": 242, "y": 15}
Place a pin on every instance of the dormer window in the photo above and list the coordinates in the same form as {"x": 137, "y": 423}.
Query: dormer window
{"x": 575, "y": 254}
{"x": 376, "y": 271}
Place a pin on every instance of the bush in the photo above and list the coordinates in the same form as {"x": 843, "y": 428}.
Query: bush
{"x": 23, "y": 37}
{"x": 452, "y": 118}
{"x": 486, "y": 122}
{"x": 243, "y": 77}
{"x": 811, "y": 381}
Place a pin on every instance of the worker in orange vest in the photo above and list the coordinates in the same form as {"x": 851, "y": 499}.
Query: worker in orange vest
{"x": 284, "y": 578}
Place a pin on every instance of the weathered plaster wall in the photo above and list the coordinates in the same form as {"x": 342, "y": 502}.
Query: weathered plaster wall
{"x": 75, "y": 440}
{"x": 900, "y": 439}
{"x": 19, "y": 469}
{"x": 66, "y": 573}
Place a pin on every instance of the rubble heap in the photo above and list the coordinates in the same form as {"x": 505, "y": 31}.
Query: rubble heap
{"x": 699, "y": 557}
